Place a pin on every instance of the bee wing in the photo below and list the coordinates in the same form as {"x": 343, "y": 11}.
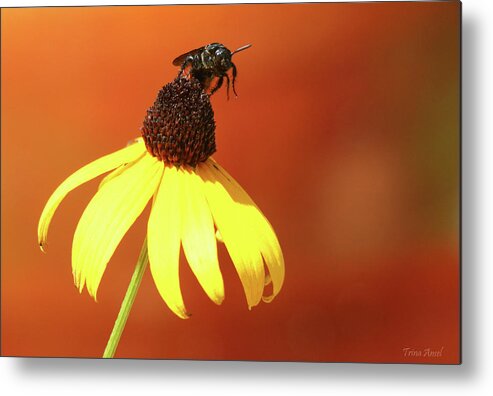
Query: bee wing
{"x": 180, "y": 59}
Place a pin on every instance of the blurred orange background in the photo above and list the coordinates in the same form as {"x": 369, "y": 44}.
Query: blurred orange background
{"x": 345, "y": 133}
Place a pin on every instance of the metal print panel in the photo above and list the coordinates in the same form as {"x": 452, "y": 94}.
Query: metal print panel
{"x": 273, "y": 182}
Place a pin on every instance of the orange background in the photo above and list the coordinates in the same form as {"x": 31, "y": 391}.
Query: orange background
{"x": 345, "y": 132}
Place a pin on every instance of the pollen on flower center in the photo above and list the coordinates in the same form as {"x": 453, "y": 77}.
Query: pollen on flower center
{"x": 179, "y": 128}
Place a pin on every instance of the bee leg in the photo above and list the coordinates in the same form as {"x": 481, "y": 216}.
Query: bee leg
{"x": 235, "y": 73}
{"x": 187, "y": 62}
{"x": 182, "y": 68}
{"x": 218, "y": 85}
{"x": 227, "y": 89}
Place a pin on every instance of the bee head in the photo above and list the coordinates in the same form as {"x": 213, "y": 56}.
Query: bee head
{"x": 222, "y": 59}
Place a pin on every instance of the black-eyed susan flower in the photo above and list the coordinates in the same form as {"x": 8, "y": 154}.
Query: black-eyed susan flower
{"x": 195, "y": 202}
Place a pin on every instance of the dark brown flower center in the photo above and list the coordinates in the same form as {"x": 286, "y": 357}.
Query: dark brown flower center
{"x": 179, "y": 127}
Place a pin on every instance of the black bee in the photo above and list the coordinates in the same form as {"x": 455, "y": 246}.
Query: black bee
{"x": 208, "y": 62}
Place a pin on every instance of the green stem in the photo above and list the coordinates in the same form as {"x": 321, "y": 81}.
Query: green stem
{"x": 127, "y": 303}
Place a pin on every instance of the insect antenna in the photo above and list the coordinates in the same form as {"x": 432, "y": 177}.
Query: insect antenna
{"x": 241, "y": 49}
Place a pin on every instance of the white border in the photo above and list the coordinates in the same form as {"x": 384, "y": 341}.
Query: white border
{"x": 94, "y": 377}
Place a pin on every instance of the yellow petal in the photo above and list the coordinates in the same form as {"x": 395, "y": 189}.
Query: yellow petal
{"x": 163, "y": 240}
{"x": 84, "y": 174}
{"x": 117, "y": 172}
{"x": 219, "y": 237}
{"x": 198, "y": 238}
{"x": 265, "y": 235}
{"x": 233, "y": 222}
{"x": 107, "y": 218}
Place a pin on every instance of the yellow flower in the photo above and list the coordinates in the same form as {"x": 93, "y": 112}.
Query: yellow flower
{"x": 194, "y": 202}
